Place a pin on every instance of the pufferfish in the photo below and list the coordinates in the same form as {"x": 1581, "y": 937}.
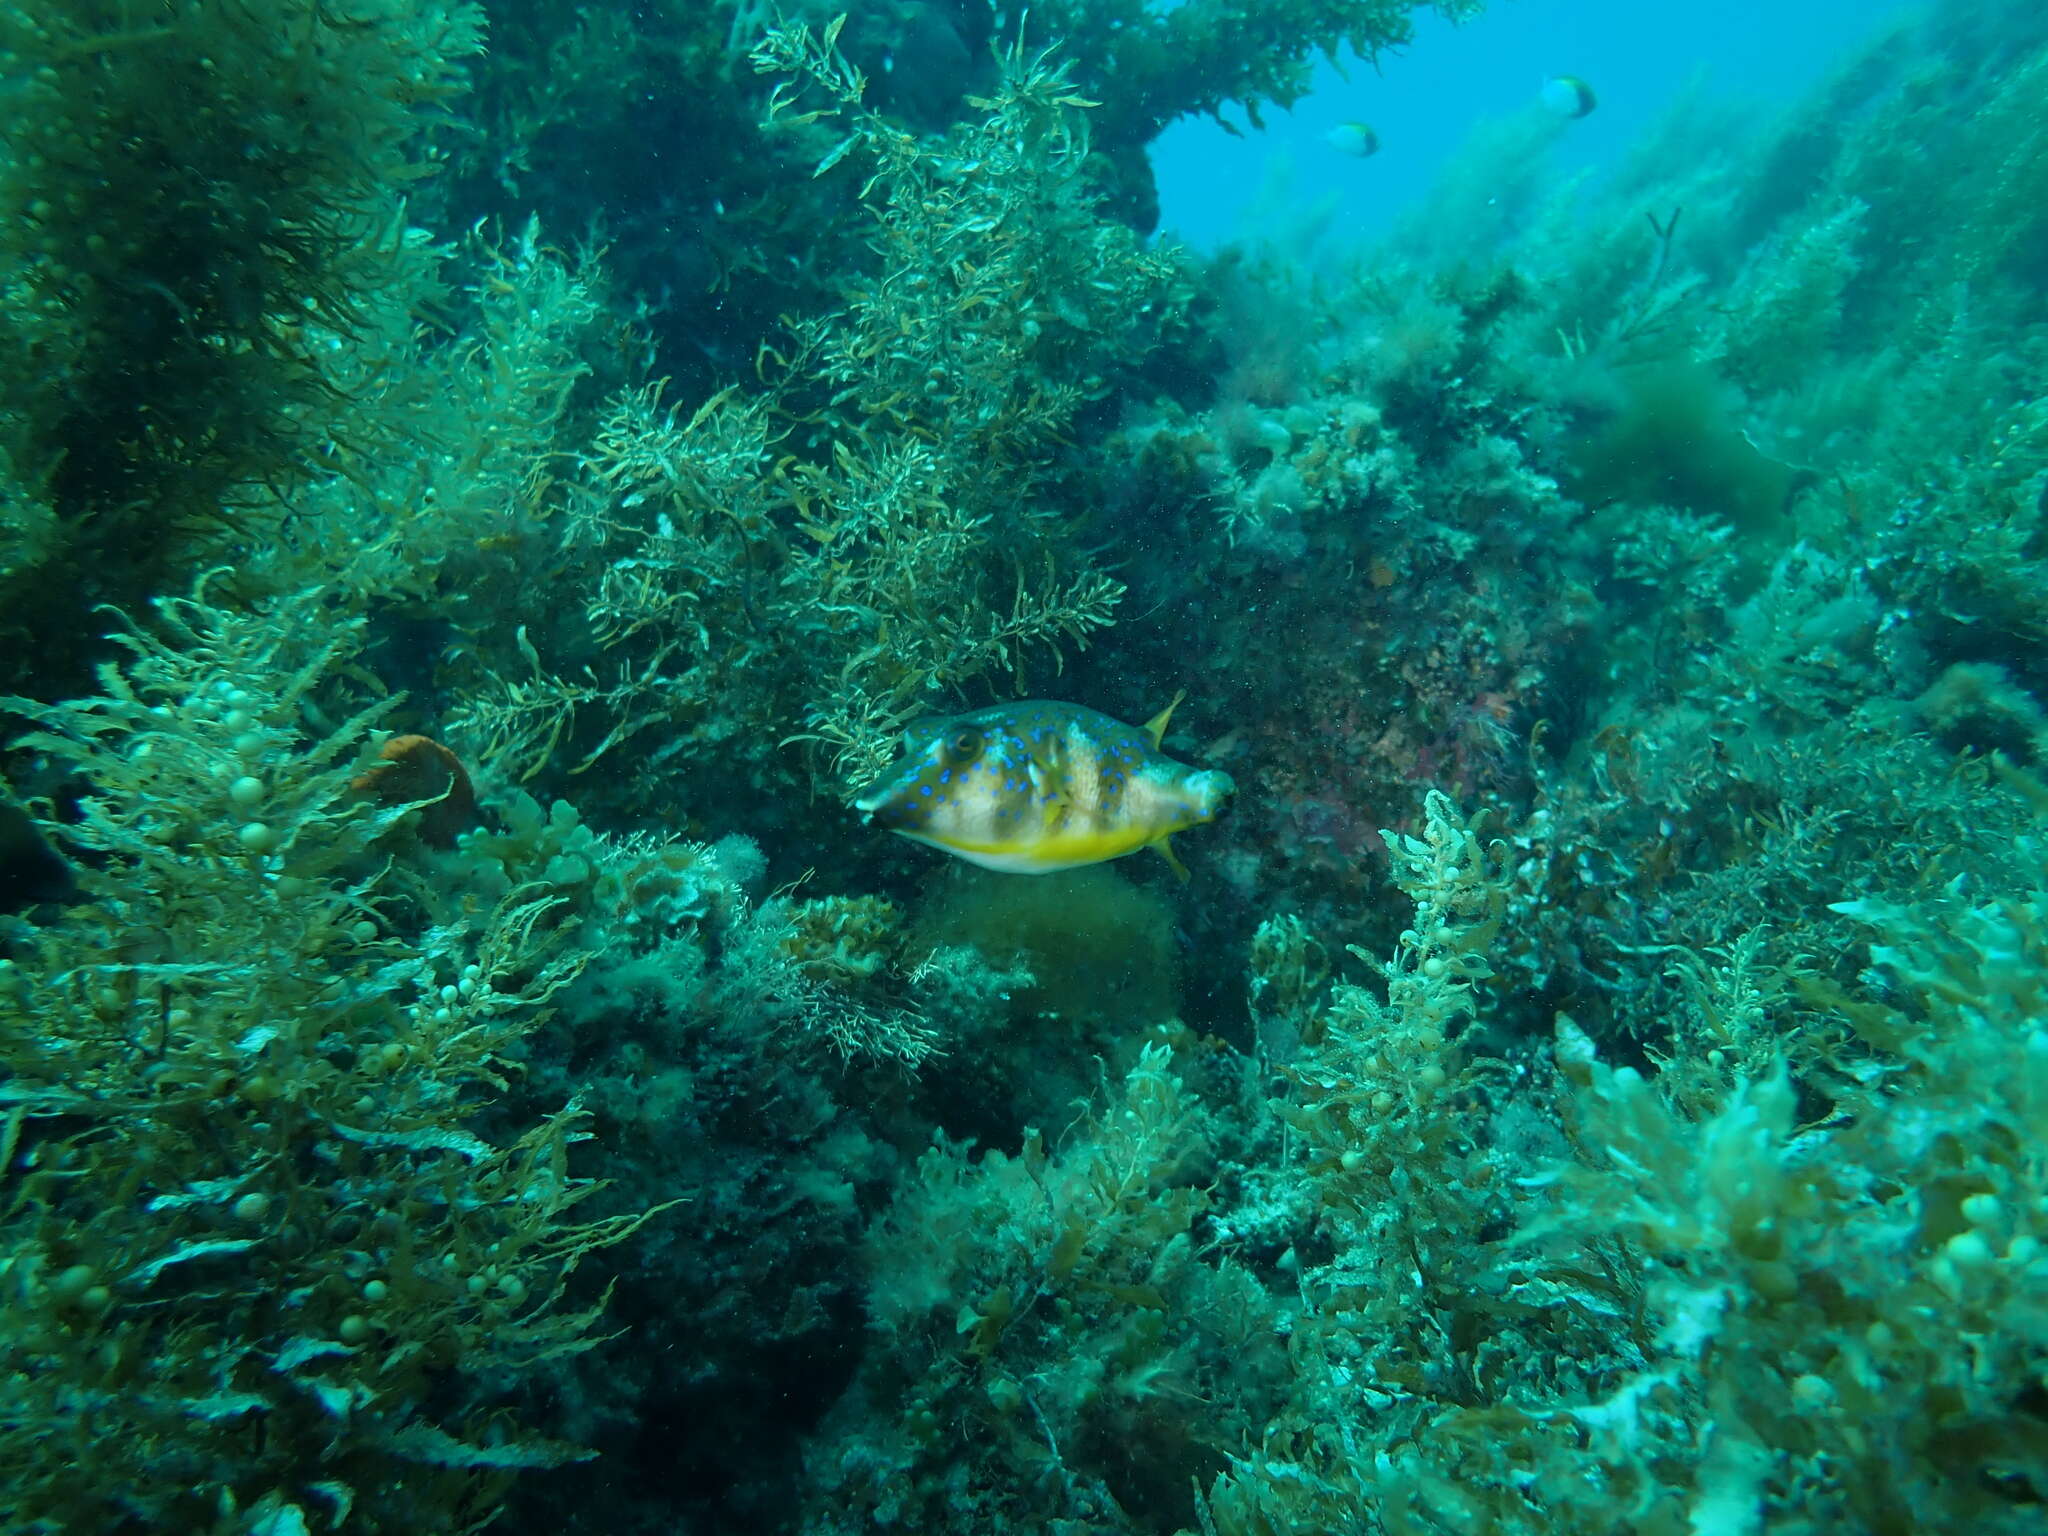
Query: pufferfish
{"x": 1037, "y": 786}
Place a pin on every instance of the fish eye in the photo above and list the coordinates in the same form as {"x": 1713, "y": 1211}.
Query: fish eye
{"x": 962, "y": 747}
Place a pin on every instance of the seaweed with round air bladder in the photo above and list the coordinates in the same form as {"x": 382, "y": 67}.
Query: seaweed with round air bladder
{"x": 196, "y": 200}
{"x": 881, "y": 521}
{"x": 1059, "y": 1342}
{"x": 256, "y": 1238}
{"x": 1699, "y": 1308}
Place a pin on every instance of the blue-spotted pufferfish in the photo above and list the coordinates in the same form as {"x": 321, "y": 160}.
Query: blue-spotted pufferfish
{"x": 1038, "y": 785}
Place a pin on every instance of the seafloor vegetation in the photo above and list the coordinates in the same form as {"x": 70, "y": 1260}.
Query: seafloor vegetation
{"x": 468, "y": 520}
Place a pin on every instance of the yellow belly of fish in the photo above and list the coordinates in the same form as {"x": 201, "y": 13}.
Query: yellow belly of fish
{"x": 1042, "y": 855}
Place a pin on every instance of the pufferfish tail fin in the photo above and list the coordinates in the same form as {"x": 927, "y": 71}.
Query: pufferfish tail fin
{"x": 1156, "y": 726}
{"x": 1164, "y": 843}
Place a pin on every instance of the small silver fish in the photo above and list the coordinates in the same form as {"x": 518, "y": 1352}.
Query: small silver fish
{"x": 1568, "y": 96}
{"x": 1354, "y": 139}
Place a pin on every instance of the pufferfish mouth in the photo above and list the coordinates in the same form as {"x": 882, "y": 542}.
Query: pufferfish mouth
{"x": 875, "y": 796}
{"x": 1212, "y": 792}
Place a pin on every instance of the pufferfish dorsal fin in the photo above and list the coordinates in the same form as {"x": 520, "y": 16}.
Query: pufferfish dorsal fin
{"x": 1156, "y": 726}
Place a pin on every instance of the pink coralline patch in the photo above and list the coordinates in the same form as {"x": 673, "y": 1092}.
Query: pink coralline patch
{"x": 1324, "y": 798}
{"x": 1359, "y": 702}
{"x": 1329, "y": 824}
{"x": 1240, "y": 868}
{"x": 1333, "y": 770}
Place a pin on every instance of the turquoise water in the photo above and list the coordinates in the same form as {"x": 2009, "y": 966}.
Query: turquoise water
{"x": 769, "y": 772}
{"x": 1423, "y": 100}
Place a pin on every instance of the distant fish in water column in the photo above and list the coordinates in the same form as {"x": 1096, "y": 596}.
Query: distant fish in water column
{"x": 1354, "y": 139}
{"x": 1568, "y": 96}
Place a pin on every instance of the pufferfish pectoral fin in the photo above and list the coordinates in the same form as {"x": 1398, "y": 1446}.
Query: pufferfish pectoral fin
{"x": 1156, "y": 726}
{"x": 1048, "y": 789}
{"x": 1164, "y": 843}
